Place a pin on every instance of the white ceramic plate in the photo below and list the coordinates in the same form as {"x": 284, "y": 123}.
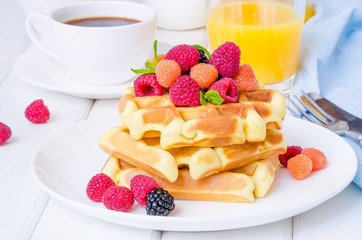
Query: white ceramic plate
{"x": 65, "y": 163}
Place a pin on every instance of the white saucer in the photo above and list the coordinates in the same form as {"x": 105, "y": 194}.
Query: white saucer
{"x": 41, "y": 70}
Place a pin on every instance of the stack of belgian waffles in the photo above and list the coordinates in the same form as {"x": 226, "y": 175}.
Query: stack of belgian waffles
{"x": 226, "y": 152}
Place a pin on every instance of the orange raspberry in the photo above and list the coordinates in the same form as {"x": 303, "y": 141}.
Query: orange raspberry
{"x": 167, "y": 71}
{"x": 204, "y": 74}
{"x": 318, "y": 158}
{"x": 300, "y": 166}
{"x": 160, "y": 57}
{"x": 245, "y": 79}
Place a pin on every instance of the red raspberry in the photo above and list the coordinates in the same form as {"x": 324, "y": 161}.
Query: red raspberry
{"x": 185, "y": 92}
{"x": 118, "y": 198}
{"x": 245, "y": 79}
{"x": 37, "y": 112}
{"x": 185, "y": 55}
{"x": 292, "y": 151}
{"x": 167, "y": 71}
{"x": 204, "y": 74}
{"x": 227, "y": 90}
{"x": 147, "y": 85}
{"x": 98, "y": 185}
{"x": 141, "y": 185}
{"x": 5, "y": 132}
{"x": 226, "y": 59}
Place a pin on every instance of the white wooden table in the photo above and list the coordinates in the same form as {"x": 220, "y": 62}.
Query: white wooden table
{"x": 27, "y": 212}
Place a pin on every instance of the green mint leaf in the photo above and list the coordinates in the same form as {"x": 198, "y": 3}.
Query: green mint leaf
{"x": 140, "y": 71}
{"x": 155, "y": 52}
{"x": 150, "y": 66}
{"x": 202, "y": 98}
{"x": 214, "y": 97}
{"x": 199, "y": 47}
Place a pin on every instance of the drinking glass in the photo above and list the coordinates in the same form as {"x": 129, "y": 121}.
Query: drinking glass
{"x": 268, "y": 33}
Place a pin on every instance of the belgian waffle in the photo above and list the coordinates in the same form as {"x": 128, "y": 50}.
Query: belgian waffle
{"x": 147, "y": 154}
{"x": 206, "y": 126}
{"x": 231, "y": 186}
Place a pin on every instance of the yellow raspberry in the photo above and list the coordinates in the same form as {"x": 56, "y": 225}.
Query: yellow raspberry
{"x": 204, "y": 74}
{"x": 160, "y": 57}
{"x": 167, "y": 72}
{"x": 245, "y": 79}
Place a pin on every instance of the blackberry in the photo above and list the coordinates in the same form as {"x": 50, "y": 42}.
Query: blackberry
{"x": 203, "y": 57}
{"x": 159, "y": 202}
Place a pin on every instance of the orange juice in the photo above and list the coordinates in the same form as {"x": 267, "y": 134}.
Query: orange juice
{"x": 309, "y": 12}
{"x": 268, "y": 34}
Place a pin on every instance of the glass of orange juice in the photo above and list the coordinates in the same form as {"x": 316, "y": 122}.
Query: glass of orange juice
{"x": 268, "y": 33}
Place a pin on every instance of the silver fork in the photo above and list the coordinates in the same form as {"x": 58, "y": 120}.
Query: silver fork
{"x": 315, "y": 114}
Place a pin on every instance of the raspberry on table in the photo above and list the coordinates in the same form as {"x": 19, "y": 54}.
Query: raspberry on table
{"x": 226, "y": 59}
{"x": 245, "y": 79}
{"x": 141, "y": 185}
{"x": 185, "y": 55}
{"x": 5, "y": 132}
{"x": 292, "y": 151}
{"x": 167, "y": 71}
{"x": 98, "y": 185}
{"x": 300, "y": 166}
{"x": 159, "y": 202}
{"x": 318, "y": 158}
{"x": 185, "y": 92}
{"x": 227, "y": 90}
{"x": 118, "y": 198}
{"x": 160, "y": 57}
{"x": 204, "y": 74}
{"x": 37, "y": 112}
{"x": 147, "y": 85}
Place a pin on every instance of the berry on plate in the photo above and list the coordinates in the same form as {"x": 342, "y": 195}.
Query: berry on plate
{"x": 292, "y": 151}
{"x": 318, "y": 158}
{"x": 98, "y": 185}
{"x": 185, "y": 92}
{"x": 185, "y": 55}
{"x": 141, "y": 185}
{"x": 5, "y": 132}
{"x": 300, "y": 166}
{"x": 227, "y": 89}
{"x": 226, "y": 59}
{"x": 147, "y": 85}
{"x": 159, "y": 202}
{"x": 245, "y": 79}
{"x": 118, "y": 198}
{"x": 37, "y": 112}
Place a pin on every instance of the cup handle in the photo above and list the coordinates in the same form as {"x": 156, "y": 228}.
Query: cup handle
{"x": 29, "y": 26}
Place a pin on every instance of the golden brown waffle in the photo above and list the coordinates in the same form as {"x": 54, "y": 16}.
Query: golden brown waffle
{"x": 234, "y": 186}
{"x": 206, "y": 126}
{"x": 201, "y": 161}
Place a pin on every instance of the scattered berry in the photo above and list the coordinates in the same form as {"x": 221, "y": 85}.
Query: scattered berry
{"x": 185, "y": 55}
{"x": 227, "y": 90}
{"x": 300, "y": 166}
{"x": 159, "y": 202}
{"x": 318, "y": 158}
{"x": 185, "y": 92}
{"x": 226, "y": 59}
{"x": 98, "y": 185}
{"x": 5, "y": 132}
{"x": 37, "y": 112}
{"x": 147, "y": 85}
{"x": 292, "y": 151}
{"x": 160, "y": 57}
{"x": 167, "y": 71}
{"x": 245, "y": 79}
{"x": 118, "y": 198}
{"x": 141, "y": 185}
{"x": 204, "y": 74}
{"x": 203, "y": 57}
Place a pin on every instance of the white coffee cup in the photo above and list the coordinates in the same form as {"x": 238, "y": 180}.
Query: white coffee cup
{"x": 98, "y": 55}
